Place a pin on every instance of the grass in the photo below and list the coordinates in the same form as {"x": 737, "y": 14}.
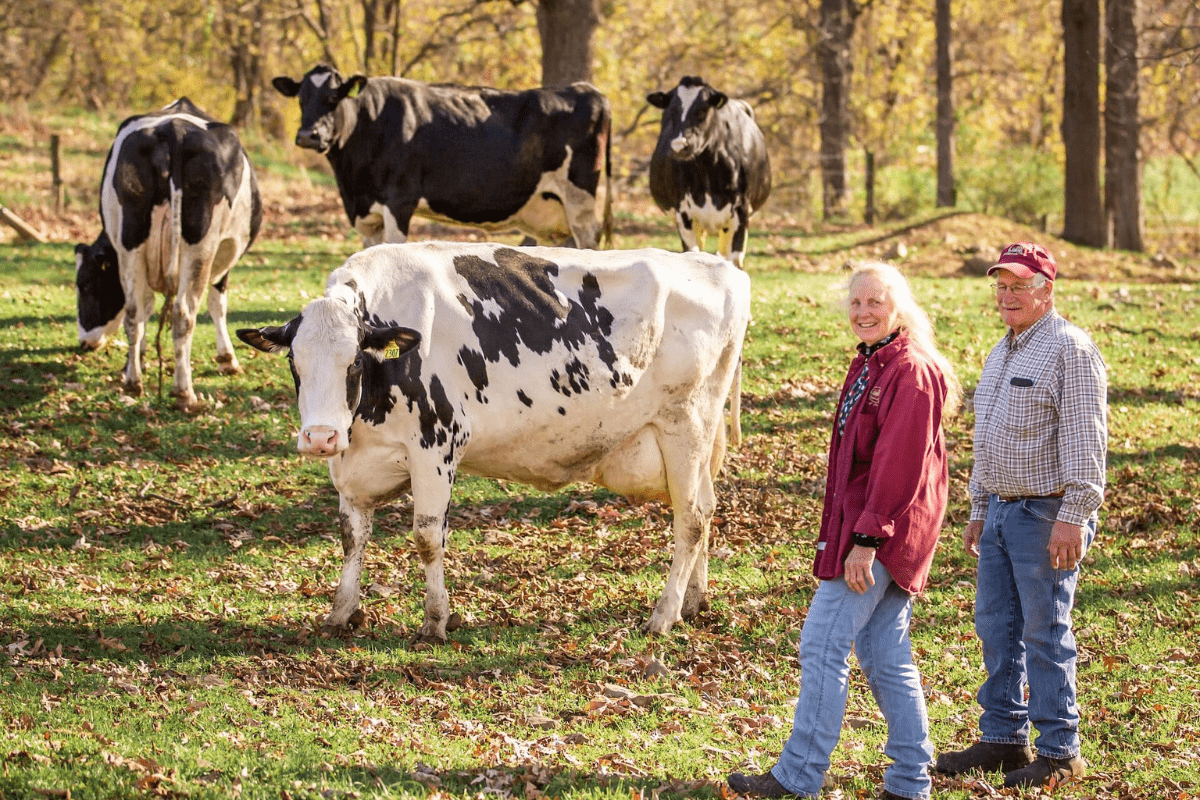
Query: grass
{"x": 164, "y": 575}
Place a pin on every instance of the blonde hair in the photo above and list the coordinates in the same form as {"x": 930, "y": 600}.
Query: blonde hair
{"x": 913, "y": 318}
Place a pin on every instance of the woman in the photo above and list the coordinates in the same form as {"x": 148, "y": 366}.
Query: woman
{"x": 885, "y": 496}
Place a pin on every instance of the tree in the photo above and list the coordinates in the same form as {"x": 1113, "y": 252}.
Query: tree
{"x": 838, "y": 18}
{"x": 566, "y": 28}
{"x": 1122, "y": 159}
{"x": 1083, "y": 210}
{"x": 945, "y": 107}
{"x": 243, "y": 34}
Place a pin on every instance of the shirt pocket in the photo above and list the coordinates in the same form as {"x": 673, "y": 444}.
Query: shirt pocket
{"x": 1027, "y": 409}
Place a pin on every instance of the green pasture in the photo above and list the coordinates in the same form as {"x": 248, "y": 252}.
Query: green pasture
{"x": 163, "y": 576}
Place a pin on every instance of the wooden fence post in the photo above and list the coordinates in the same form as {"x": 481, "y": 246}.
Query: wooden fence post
{"x": 55, "y": 160}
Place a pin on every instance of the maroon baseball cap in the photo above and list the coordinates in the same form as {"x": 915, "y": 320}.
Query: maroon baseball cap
{"x": 1025, "y": 259}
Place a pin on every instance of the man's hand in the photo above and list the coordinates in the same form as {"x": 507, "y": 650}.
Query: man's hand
{"x": 1066, "y": 545}
{"x": 971, "y": 536}
{"x": 858, "y": 568}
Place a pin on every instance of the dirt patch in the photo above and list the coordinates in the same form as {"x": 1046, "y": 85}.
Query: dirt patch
{"x": 963, "y": 244}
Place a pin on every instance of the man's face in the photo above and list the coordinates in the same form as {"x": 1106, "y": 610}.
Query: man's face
{"x": 1021, "y": 308}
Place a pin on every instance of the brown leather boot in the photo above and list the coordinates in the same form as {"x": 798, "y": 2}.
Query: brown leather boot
{"x": 763, "y": 785}
{"x": 985, "y": 757}
{"x": 1047, "y": 772}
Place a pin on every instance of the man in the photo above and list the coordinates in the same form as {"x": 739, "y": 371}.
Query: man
{"x": 1041, "y": 439}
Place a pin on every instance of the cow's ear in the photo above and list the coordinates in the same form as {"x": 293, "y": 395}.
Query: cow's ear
{"x": 658, "y": 99}
{"x": 286, "y": 86}
{"x": 353, "y": 86}
{"x": 393, "y": 340}
{"x": 718, "y": 99}
{"x": 271, "y": 339}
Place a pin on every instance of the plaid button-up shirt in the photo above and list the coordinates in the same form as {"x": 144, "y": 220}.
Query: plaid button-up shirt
{"x": 1041, "y": 420}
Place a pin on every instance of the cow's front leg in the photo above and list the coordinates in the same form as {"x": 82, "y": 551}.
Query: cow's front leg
{"x": 687, "y": 231}
{"x": 736, "y": 250}
{"x": 430, "y": 532}
{"x": 355, "y": 523}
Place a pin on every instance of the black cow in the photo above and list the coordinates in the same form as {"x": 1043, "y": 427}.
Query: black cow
{"x": 710, "y": 167}
{"x": 490, "y": 159}
{"x": 179, "y": 204}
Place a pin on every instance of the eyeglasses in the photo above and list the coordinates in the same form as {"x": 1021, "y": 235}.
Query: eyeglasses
{"x": 1016, "y": 290}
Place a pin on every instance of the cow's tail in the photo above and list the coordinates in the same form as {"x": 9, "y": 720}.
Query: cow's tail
{"x": 175, "y": 186}
{"x": 607, "y": 235}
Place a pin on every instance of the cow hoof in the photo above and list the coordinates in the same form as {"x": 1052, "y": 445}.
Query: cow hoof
{"x": 654, "y": 627}
{"x": 190, "y": 405}
{"x": 228, "y": 365}
{"x": 424, "y": 640}
{"x": 132, "y": 389}
{"x": 454, "y": 623}
{"x": 354, "y": 621}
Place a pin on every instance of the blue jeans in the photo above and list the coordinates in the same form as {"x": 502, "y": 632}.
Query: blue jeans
{"x": 1023, "y": 618}
{"x": 876, "y": 624}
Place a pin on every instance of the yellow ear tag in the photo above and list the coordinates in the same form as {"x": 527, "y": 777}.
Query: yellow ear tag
{"x": 392, "y": 350}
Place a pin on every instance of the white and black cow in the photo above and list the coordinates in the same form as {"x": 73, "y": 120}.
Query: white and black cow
{"x": 710, "y": 167}
{"x": 545, "y": 366}
{"x": 490, "y": 159}
{"x": 179, "y": 204}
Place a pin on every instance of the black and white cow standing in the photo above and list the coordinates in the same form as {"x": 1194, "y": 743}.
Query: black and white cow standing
{"x": 179, "y": 204}
{"x": 545, "y": 366}
{"x": 710, "y": 170}
{"x": 491, "y": 159}
{"x": 710, "y": 167}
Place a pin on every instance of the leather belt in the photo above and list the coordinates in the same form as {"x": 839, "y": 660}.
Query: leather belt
{"x": 1018, "y": 499}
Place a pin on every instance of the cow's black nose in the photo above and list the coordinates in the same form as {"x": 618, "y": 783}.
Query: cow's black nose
{"x": 306, "y": 139}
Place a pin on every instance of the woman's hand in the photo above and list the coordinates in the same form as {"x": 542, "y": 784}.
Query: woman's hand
{"x": 858, "y": 568}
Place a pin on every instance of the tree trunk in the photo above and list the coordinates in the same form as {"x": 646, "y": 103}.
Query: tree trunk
{"x": 243, "y": 34}
{"x": 397, "y": 18}
{"x": 566, "y": 28}
{"x": 370, "y": 11}
{"x": 1083, "y": 210}
{"x": 946, "y": 194}
{"x": 833, "y": 56}
{"x": 869, "y": 213}
{"x": 1122, "y": 160}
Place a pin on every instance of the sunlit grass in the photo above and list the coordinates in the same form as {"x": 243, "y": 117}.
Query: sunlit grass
{"x": 164, "y": 575}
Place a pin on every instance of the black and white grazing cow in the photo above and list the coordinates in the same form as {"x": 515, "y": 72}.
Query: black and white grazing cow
{"x": 710, "y": 167}
{"x": 485, "y": 158}
{"x": 545, "y": 366}
{"x": 179, "y": 204}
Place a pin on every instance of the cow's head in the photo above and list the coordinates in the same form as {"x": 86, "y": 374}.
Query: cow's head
{"x": 319, "y": 91}
{"x": 99, "y": 298}
{"x": 328, "y": 348}
{"x": 687, "y": 121}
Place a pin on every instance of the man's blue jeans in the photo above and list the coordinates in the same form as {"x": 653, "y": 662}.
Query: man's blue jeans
{"x": 876, "y": 623}
{"x": 1023, "y": 618}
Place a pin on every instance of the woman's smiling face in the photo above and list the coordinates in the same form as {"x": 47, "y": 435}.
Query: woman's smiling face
{"x": 872, "y": 313}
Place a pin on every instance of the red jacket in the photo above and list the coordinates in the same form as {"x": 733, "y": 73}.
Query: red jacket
{"x": 887, "y": 474}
